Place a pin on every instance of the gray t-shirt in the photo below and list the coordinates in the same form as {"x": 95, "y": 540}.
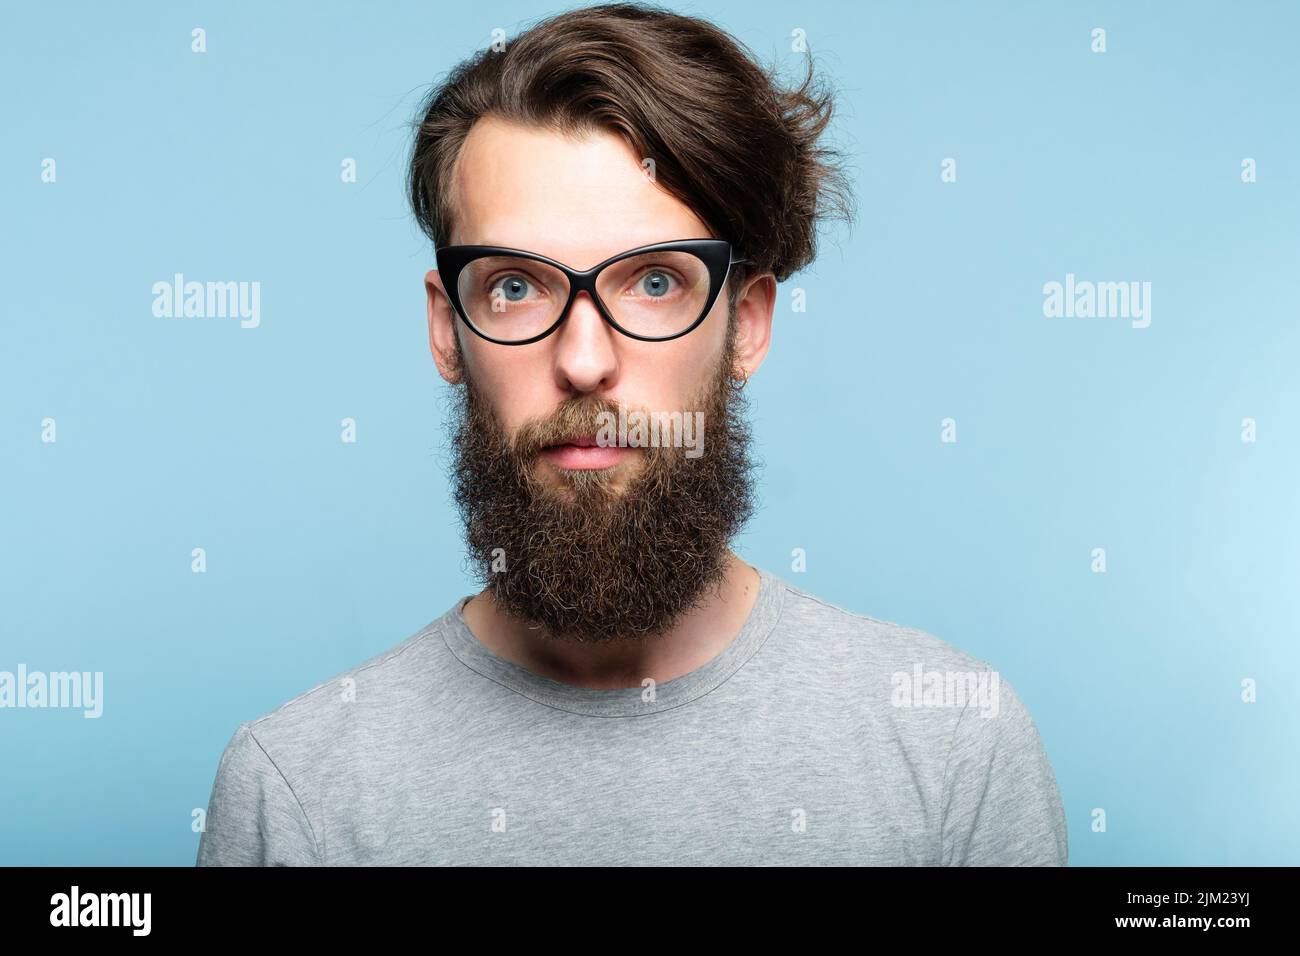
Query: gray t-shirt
{"x": 818, "y": 736}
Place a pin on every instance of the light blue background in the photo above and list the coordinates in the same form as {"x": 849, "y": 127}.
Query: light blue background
{"x": 1072, "y": 434}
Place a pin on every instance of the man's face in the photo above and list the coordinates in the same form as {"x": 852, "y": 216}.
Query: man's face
{"x": 616, "y": 542}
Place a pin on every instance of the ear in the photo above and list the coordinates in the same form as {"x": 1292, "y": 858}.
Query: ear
{"x": 754, "y": 307}
{"x": 442, "y": 329}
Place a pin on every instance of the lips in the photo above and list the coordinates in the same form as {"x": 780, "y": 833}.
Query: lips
{"x": 586, "y": 456}
{"x": 578, "y": 441}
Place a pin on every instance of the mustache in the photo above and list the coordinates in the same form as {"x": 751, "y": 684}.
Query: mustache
{"x": 575, "y": 417}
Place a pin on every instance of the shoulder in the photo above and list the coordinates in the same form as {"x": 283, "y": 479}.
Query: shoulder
{"x": 949, "y": 718}
{"x": 934, "y": 700}
{"x": 266, "y": 804}
{"x": 337, "y": 716}
{"x": 819, "y": 623}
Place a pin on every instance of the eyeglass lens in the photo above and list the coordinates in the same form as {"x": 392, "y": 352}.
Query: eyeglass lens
{"x": 654, "y": 294}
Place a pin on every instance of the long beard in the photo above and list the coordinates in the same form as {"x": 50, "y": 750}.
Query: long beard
{"x": 580, "y": 558}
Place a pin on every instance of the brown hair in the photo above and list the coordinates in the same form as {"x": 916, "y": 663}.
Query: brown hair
{"x": 725, "y": 138}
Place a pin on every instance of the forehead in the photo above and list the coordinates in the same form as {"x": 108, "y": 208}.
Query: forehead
{"x": 578, "y": 199}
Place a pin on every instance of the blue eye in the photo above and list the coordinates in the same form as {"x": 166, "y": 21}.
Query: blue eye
{"x": 656, "y": 283}
{"x": 514, "y": 288}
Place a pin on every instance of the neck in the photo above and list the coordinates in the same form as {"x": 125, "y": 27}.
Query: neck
{"x": 696, "y": 638}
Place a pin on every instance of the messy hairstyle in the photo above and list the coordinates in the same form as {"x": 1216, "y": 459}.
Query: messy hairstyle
{"x": 725, "y": 138}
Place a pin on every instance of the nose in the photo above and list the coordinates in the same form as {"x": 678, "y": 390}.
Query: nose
{"x": 586, "y": 357}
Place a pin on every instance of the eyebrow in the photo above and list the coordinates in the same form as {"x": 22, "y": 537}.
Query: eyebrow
{"x": 527, "y": 247}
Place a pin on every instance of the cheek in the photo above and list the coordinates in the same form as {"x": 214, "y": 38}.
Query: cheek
{"x": 667, "y": 379}
{"x": 662, "y": 376}
{"x": 519, "y": 389}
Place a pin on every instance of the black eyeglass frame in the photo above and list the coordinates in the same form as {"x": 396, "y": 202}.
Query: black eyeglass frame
{"x": 716, "y": 254}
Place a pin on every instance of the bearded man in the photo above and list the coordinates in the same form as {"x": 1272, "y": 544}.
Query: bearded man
{"x": 612, "y": 200}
